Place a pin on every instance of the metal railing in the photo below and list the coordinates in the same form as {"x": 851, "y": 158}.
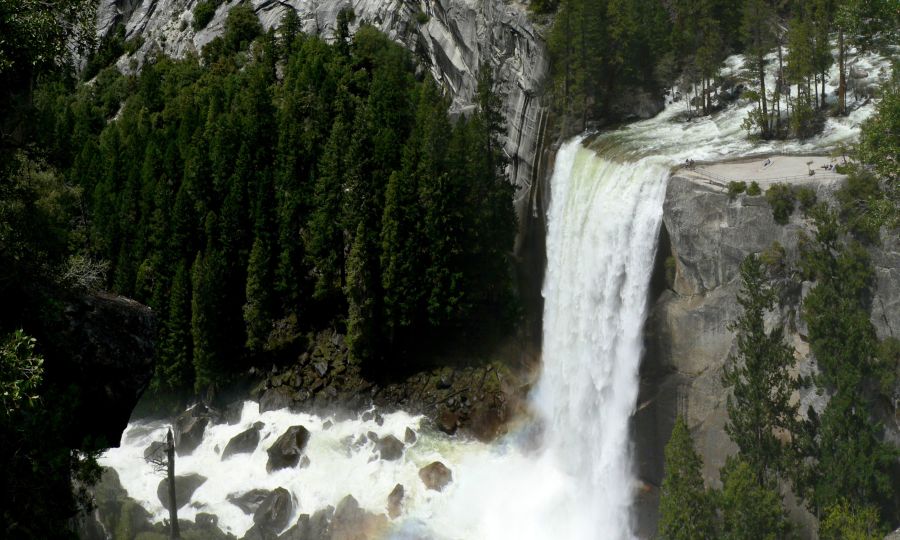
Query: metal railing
{"x": 722, "y": 181}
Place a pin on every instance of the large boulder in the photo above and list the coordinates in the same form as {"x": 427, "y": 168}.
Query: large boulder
{"x": 390, "y": 448}
{"x": 287, "y": 449}
{"x": 395, "y": 501}
{"x": 436, "y": 476}
{"x": 156, "y": 451}
{"x": 274, "y": 399}
{"x": 189, "y": 429}
{"x": 350, "y": 522}
{"x": 185, "y": 486}
{"x": 448, "y": 421}
{"x": 104, "y": 346}
{"x": 244, "y": 442}
{"x": 249, "y": 501}
{"x": 409, "y": 436}
{"x": 273, "y": 514}
{"x": 113, "y": 510}
{"x": 315, "y": 527}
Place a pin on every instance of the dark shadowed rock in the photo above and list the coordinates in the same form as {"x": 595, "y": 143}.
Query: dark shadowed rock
{"x": 206, "y": 521}
{"x": 315, "y": 527}
{"x": 390, "y": 448}
{"x": 113, "y": 510}
{"x": 410, "y": 436}
{"x": 232, "y": 412}
{"x": 287, "y": 449}
{"x": 486, "y": 422}
{"x": 244, "y": 442}
{"x": 250, "y": 501}
{"x": 395, "y": 501}
{"x": 435, "y": 476}
{"x": 350, "y": 522}
{"x": 185, "y": 486}
{"x": 448, "y": 421}
{"x": 189, "y": 428}
{"x": 273, "y": 514}
{"x": 274, "y": 399}
{"x": 156, "y": 451}
{"x": 105, "y": 347}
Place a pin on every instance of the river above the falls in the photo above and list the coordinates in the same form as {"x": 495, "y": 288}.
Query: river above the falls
{"x": 575, "y": 481}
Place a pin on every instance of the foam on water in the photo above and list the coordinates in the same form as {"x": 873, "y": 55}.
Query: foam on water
{"x": 577, "y": 482}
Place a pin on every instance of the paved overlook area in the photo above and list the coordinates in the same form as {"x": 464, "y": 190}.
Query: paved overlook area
{"x": 766, "y": 170}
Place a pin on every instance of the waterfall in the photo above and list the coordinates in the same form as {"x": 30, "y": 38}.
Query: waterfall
{"x": 577, "y": 484}
{"x": 603, "y": 223}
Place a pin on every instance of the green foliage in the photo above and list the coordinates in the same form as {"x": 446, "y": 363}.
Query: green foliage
{"x": 774, "y": 259}
{"x": 888, "y": 364}
{"x": 845, "y": 456}
{"x": 757, "y": 30}
{"x": 806, "y": 196}
{"x": 37, "y": 34}
{"x": 805, "y": 120}
{"x": 781, "y": 199}
{"x": 750, "y": 510}
{"x": 735, "y": 189}
{"x": 598, "y": 50}
{"x": 36, "y": 495}
{"x": 249, "y": 211}
{"x": 241, "y": 27}
{"x": 36, "y": 207}
{"x": 204, "y": 12}
{"x": 879, "y": 141}
{"x": 753, "y": 189}
{"x": 858, "y": 200}
{"x": 686, "y": 510}
{"x": 543, "y": 6}
{"x": 843, "y": 522}
{"x": 111, "y": 48}
{"x": 21, "y": 372}
{"x": 760, "y": 406}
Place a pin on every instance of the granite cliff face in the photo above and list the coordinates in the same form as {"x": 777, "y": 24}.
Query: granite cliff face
{"x": 450, "y": 38}
{"x": 687, "y": 338}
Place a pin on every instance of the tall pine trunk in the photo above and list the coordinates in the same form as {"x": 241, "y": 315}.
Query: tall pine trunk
{"x": 842, "y": 85}
{"x": 762, "y": 95}
{"x": 174, "y": 533}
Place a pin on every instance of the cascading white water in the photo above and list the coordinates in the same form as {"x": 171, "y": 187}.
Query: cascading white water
{"x": 578, "y": 484}
{"x": 603, "y": 221}
{"x": 602, "y": 230}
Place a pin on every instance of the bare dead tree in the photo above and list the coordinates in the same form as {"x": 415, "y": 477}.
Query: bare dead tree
{"x": 165, "y": 463}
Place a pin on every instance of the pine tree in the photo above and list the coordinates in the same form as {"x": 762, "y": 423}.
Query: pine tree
{"x": 175, "y": 369}
{"x": 686, "y": 511}
{"x": 757, "y": 31}
{"x": 258, "y": 311}
{"x": 750, "y": 510}
{"x": 760, "y": 410}
{"x": 847, "y": 456}
{"x": 326, "y": 233}
{"x": 844, "y": 522}
{"x": 362, "y": 291}
{"x": 209, "y": 341}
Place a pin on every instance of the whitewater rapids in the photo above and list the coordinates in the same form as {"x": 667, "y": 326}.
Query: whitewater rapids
{"x": 578, "y": 482}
